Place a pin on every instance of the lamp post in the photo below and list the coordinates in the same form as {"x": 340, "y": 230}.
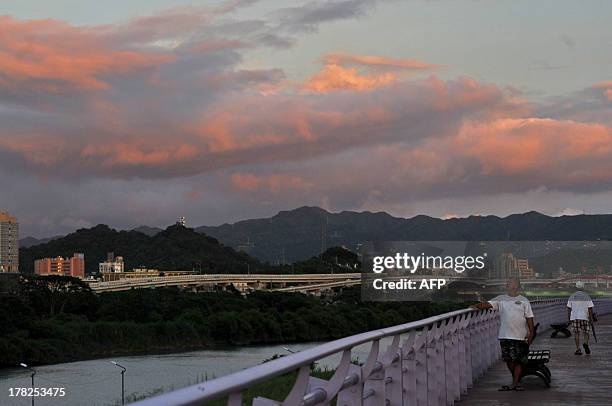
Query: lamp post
{"x": 32, "y": 375}
{"x": 123, "y": 369}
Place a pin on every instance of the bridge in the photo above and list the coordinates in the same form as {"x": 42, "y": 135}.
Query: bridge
{"x": 280, "y": 282}
{"x": 441, "y": 360}
{"x": 595, "y": 281}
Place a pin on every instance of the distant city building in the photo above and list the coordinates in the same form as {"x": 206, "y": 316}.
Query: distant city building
{"x": 74, "y": 266}
{"x": 506, "y": 266}
{"x": 525, "y": 272}
{"x": 182, "y": 221}
{"x": 9, "y": 243}
{"x": 112, "y": 264}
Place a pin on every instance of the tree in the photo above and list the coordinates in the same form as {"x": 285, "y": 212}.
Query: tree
{"x": 52, "y": 292}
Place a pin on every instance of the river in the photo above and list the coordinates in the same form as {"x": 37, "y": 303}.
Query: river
{"x": 98, "y": 382}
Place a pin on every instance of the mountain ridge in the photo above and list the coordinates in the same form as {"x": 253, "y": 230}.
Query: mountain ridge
{"x": 297, "y": 234}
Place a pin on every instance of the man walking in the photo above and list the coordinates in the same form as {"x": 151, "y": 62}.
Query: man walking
{"x": 580, "y": 316}
{"x": 515, "y": 331}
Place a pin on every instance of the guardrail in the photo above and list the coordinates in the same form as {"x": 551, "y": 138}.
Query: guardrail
{"x": 429, "y": 362}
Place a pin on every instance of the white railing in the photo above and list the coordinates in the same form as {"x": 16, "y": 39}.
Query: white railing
{"x": 429, "y": 362}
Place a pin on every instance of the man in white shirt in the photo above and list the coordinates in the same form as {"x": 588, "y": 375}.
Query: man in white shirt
{"x": 515, "y": 330}
{"x": 580, "y": 316}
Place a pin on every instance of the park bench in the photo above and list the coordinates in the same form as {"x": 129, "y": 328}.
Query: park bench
{"x": 560, "y": 328}
{"x": 536, "y": 365}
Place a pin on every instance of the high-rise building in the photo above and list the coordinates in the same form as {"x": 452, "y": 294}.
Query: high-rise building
{"x": 506, "y": 266}
{"x": 74, "y": 266}
{"x": 182, "y": 221}
{"x": 9, "y": 243}
{"x": 525, "y": 272}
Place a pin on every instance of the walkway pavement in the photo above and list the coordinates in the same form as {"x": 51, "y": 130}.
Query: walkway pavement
{"x": 576, "y": 379}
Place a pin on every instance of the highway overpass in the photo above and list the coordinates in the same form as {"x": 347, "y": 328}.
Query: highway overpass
{"x": 316, "y": 282}
{"x": 243, "y": 282}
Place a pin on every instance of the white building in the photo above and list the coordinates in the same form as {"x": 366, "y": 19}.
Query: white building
{"x": 112, "y": 264}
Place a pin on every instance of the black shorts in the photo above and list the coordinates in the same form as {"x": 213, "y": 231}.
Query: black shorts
{"x": 514, "y": 350}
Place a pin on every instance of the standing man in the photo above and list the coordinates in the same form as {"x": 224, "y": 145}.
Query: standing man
{"x": 515, "y": 331}
{"x": 580, "y": 316}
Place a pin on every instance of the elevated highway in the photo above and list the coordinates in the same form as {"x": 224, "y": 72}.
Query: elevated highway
{"x": 291, "y": 282}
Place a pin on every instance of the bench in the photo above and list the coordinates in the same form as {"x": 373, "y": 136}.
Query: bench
{"x": 560, "y": 328}
{"x": 536, "y": 365}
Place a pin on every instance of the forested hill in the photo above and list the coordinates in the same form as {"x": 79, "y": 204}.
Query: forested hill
{"x": 175, "y": 248}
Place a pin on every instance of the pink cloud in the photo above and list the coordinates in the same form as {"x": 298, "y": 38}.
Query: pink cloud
{"x": 508, "y": 155}
{"x": 40, "y": 150}
{"x": 335, "y": 77}
{"x": 137, "y": 154}
{"x": 248, "y": 128}
{"x": 376, "y": 61}
{"x": 50, "y": 56}
{"x": 512, "y": 146}
{"x": 361, "y": 72}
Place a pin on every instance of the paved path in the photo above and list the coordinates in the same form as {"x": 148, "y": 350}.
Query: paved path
{"x": 576, "y": 380}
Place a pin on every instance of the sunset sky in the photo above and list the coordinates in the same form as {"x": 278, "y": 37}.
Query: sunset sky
{"x": 136, "y": 112}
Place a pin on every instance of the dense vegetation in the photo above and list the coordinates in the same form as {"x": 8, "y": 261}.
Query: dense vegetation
{"x": 58, "y": 319}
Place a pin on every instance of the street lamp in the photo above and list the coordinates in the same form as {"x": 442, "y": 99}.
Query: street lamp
{"x": 123, "y": 369}
{"x": 33, "y": 373}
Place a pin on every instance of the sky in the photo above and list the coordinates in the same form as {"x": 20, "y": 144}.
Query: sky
{"x": 132, "y": 113}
